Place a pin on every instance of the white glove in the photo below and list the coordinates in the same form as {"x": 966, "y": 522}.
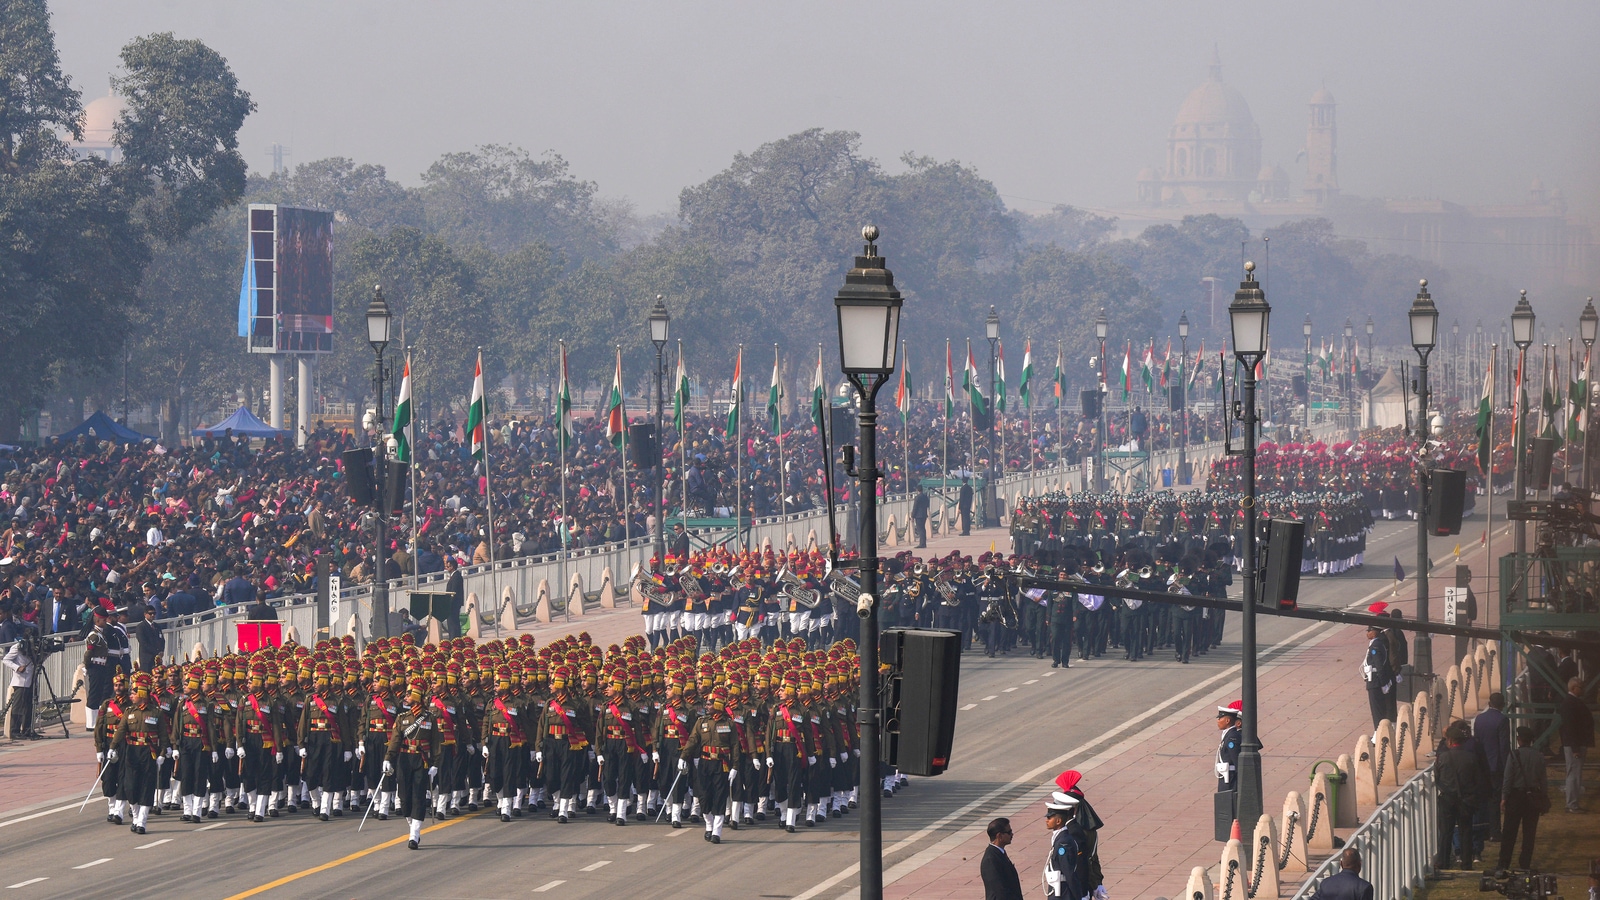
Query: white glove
{"x": 302, "y": 753}
{"x": 214, "y": 758}
{"x": 601, "y": 759}
{"x": 241, "y": 751}
{"x": 99, "y": 757}
{"x": 857, "y": 752}
{"x": 538, "y": 756}
{"x": 278, "y": 757}
{"x": 1222, "y": 769}
{"x": 769, "y": 761}
{"x": 485, "y": 751}
{"x": 348, "y": 755}
{"x": 388, "y": 767}
{"x": 833, "y": 763}
{"x": 111, "y": 755}
{"x": 1052, "y": 878}
{"x": 1385, "y": 688}
{"x": 683, "y": 765}
{"x": 1366, "y": 672}
{"x": 433, "y": 771}
{"x": 757, "y": 763}
{"x": 811, "y": 760}
{"x": 1100, "y": 893}
{"x": 228, "y": 751}
{"x": 844, "y": 758}
{"x": 591, "y": 753}
{"x": 643, "y": 756}
{"x": 733, "y": 776}
{"x": 361, "y": 751}
{"x": 655, "y": 756}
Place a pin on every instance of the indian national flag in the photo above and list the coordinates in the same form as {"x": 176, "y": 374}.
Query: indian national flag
{"x": 1485, "y": 426}
{"x": 616, "y": 412}
{"x": 564, "y": 403}
{"x": 949, "y": 382}
{"x": 969, "y": 381}
{"x": 475, "y": 415}
{"x": 1578, "y": 405}
{"x": 902, "y": 394}
{"x": 1060, "y": 378}
{"x": 1127, "y": 371}
{"x": 819, "y": 396}
{"x": 1199, "y": 363}
{"x": 1551, "y": 425}
{"x": 1147, "y": 367}
{"x": 1027, "y": 373}
{"x": 1000, "y": 376}
{"x": 402, "y": 416}
{"x": 736, "y": 395}
{"x": 775, "y": 399}
{"x": 680, "y": 393}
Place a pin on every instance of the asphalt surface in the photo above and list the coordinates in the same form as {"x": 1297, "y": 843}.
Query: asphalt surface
{"x": 1017, "y": 715}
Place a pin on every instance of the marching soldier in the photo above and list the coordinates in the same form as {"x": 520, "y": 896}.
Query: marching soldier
{"x": 564, "y": 743}
{"x": 412, "y": 758}
{"x": 622, "y": 751}
{"x": 107, "y": 721}
{"x": 260, "y": 734}
{"x": 194, "y": 734}
{"x": 716, "y": 751}
{"x": 142, "y": 735}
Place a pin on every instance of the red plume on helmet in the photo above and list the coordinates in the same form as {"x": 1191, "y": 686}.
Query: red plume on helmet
{"x": 1069, "y": 779}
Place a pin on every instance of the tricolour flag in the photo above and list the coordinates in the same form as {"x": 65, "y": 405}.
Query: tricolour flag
{"x": 736, "y": 395}
{"x": 564, "y": 403}
{"x": 902, "y": 394}
{"x": 616, "y": 410}
{"x": 775, "y": 398}
{"x": 1578, "y": 405}
{"x": 402, "y": 416}
{"x": 819, "y": 396}
{"x": 949, "y": 382}
{"x": 1550, "y": 425}
{"x": 969, "y": 380}
{"x": 680, "y": 393}
{"x": 1060, "y": 378}
{"x": 1127, "y": 370}
{"x": 1000, "y": 377}
{"x": 1147, "y": 367}
{"x": 476, "y": 413}
{"x": 1485, "y": 426}
{"x": 1027, "y": 374}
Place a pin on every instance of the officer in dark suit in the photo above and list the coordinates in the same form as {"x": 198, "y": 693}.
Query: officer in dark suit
{"x": 152, "y": 643}
{"x": 1378, "y": 674}
{"x": 964, "y": 505}
{"x": 455, "y": 586}
{"x": 919, "y": 516}
{"x": 1348, "y": 883}
{"x": 1000, "y": 879}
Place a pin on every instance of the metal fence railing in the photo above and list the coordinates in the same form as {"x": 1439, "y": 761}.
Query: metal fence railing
{"x": 1397, "y": 843}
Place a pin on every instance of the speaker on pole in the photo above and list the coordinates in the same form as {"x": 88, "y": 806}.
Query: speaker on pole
{"x": 395, "y": 474}
{"x": 1447, "y": 498}
{"x": 642, "y": 448}
{"x": 358, "y": 474}
{"x": 1090, "y": 401}
{"x": 1543, "y": 451}
{"x": 1286, "y": 544}
{"x": 920, "y": 720}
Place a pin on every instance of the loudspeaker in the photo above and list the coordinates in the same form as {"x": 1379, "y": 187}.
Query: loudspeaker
{"x": 642, "y": 449}
{"x": 1447, "y": 496}
{"x": 920, "y": 726}
{"x": 1286, "y": 544}
{"x": 1090, "y": 401}
{"x": 983, "y": 419}
{"x": 358, "y": 475}
{"x": 1177, "y": 398}
{"x": 1299, "y": 386}
{"x": 394, "y": 485}
{"x": 1542, "y": 452}
{"x": 842, "y": 429}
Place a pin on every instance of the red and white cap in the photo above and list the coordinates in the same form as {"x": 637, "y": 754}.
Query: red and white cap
{"x": 1235, "y": 709}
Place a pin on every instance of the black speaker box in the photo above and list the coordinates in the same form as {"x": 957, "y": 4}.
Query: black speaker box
{"x": 642, "y": 449}
{"x": 842, "y": 427}
{"x": 1090, "y": 401}
{"x": 927, "y": 666}
{"x": 1447, "y": 497}
{"x": 1176, "y": 398}
{"x": 1542, "y": 451}
{"x": 395, "y": 474}
{"x": 358, "y": 475}
{"x": 1286, "y": 544}
{"x": 1298, "y": 383}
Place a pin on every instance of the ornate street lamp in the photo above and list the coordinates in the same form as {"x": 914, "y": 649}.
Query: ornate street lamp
{"x": 658, "y": 320}
{"x": 1101, "y": 327}
{"x": 379, "y": 323}
{"x": 1183, "y": 401}
{"x": 1424, "y": 319}
{"x": 1522, "y": 322}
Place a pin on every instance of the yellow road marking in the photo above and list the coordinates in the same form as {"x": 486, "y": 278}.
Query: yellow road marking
{"x": 344, "y": 859}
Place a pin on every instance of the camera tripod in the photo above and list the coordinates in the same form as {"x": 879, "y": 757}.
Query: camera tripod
{"x": 56, "y": 708}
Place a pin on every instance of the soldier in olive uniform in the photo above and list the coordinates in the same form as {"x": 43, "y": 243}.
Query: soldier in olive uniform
{"x": 142, "y": 735}
{"x": 412, "y": 758}
{"x": 715, "y": 748}
{"x": 108, "y": 718}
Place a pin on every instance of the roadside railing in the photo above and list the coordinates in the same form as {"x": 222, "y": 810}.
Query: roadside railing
{"x": 1396, "y": 843}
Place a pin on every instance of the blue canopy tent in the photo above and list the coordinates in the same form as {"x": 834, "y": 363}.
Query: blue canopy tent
{"x": 102, "y": 427}
{"x": 241, "y": 423}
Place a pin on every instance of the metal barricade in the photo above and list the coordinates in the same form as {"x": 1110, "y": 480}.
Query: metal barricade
{"x": 1397, "y": 843}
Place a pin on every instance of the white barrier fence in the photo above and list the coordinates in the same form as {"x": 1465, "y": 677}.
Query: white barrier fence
{"x": 1396, "y": 843}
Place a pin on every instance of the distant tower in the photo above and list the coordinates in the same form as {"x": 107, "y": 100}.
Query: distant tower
{"x": 278, "y": 151}
{"x": 1322, "y": 160}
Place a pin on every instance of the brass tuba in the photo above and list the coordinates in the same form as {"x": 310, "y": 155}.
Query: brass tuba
{"x": 796, "y": 590}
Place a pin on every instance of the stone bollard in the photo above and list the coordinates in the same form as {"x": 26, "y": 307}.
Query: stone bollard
{"x": 1264, "y": 854}
{"x": 474, "y": 617}
{"x": 1469, "y": 688}
{"x": 811, "y": 540}
{"x": 1486, "y": 682}
{"x": 506, "y": 613}
{"x": 575, "y": 595}
{"x": 766, "y": 545}
{"x": 1344, "y": 812}
{"x": 1405, "y": 735}
{"x": 1294, "y": 833}
{"x": 435, "y": 631}
{"x": 1199, "y": 886}
{"x": 1233, "y": 871}
{"x": 1495, "y": 669}
{"x": 1455, "y": 708}
{"x": 1424, "y": 723}
{"x": 1384, "y": 754}
{"x": 1366, "y": 780}
{"x": 542, "y": 609}
{"x": 892, "y": 537}
{"x": 608, "y": 591}
{"x": 1320, "y": 823}
{"x": 353, "y": 628}
{"x": 789, "y": 544}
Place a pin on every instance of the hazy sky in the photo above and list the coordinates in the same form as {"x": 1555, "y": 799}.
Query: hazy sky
{"x": 1054, "y": 102}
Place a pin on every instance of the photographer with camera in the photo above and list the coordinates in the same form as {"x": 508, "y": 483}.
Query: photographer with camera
{"x": 21, "y": 660}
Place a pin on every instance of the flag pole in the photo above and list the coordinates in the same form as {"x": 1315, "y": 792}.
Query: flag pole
{"x": 777, "y": 414}
{"x": 683, "y": 445}
{"x": 1489, "y": 568}
{"x": 562, "y": 531}
{"x": 1058, "y": 390}
{"x": 738, "y": 451}
{"x": 411, "y": 470}
{"x": 1027, "y": 366}
{"x": 488, "y": 499}
{"x": 905, "y": 421}
{"x": 949, "y": 388}
{"x": 972, "y": 426}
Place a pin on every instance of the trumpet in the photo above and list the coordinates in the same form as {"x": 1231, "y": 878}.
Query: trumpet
{"x": 919, "y": 568}
{"x": 719, "y": 568}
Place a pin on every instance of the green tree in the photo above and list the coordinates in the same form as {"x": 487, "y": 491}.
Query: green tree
{"x": 502, "y": 199}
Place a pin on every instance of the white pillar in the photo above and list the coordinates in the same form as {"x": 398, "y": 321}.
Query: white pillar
{"x": 275, "y": 392}
{"x": 302, "y": 402}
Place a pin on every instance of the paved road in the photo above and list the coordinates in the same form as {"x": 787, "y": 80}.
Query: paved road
{"x": 1018, "y": 717}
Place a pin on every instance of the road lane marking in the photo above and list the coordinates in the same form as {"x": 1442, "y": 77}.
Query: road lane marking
{"x": 1048, "y": 674}
{"x": 549, "y": 885}
{"x": 1008, "y": 690}
{"x": 597, "y": 865}
{"x": 637, "y": 847}
{"x": 1031, "y": 681}
{"x": 392, "y": 842}
{"x": 990, "y": 697}
{"x": 969, "y": 706}
{"x": 36, "y": 815}
{"x": 90, "y": 865}
{"x": 23, "y": 884}
{"x": 211, "y": 826}
{"x": 153, "y": 844}
{"x": 678, "y": 832}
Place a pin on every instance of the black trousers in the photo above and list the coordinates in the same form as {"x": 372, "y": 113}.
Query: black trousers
{"x": 138, "y": 783}
{"x": 194, "y": 766}
{"x": 1377, "y": 702}
{"x": 259, "y": 770}
{"x": 507, "y": 765}
{"x": 21, "y": 710}
{"x": 1061, "y": 640}
{"x": 667, "y": 772}
{"x": 620, "y": 775}
{"x": 411, "y": 779}
{"x": 711, "y": 786}
{"x": 1455, "y": 820}
{"x": 1520, "y": 816}
{"x": 788, "y": 774}
{"x": 322, "y": 756}
{"x": 371, "y": 769}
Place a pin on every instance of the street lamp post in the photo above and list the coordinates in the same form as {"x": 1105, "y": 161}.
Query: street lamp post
{"x": 868, "y": 307}
{"x": 1424, "y": 318}
{"x": 1249, "y": 315}
{"x": 658, "y": 320}
{"x": 1101, "y": 326}
{"x": 1350, "y": 379}
{"x": 1370, "y": 329}
{"x": 1183, "y": 400}
{"x": 991, "y": 330}
{"x": 1455, "y": 360}
{"x": 378, "y": 322}
{"x": 1306, "y": 329}
{"x": 1588, "y": 327}
{"x": 1522, "y": 320}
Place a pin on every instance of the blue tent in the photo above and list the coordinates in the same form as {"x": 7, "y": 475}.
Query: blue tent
{"x": 242, "y": 423}
{"x": 102, "y": 427}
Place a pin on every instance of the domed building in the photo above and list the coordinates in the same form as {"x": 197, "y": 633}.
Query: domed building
{"x": 99, "y": 129}
{"x": 1214, "y": 147}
